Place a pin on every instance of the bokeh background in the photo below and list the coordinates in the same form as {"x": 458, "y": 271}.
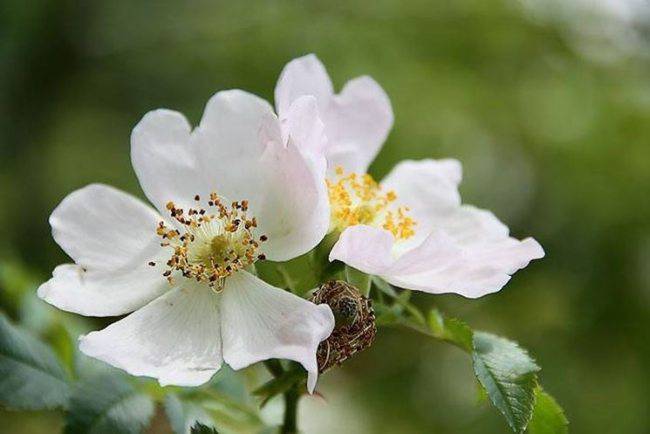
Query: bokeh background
{"x": 546, "y": 103}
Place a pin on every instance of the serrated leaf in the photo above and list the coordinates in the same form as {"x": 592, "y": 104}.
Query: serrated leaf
{"x": 108, "y": 404}
{"x": 199, "y": 428}
{"x": 509, "y": 375}
{"x": 548, "y": 416}
{"x": 183, "y": 415}
{"x": 31, "y": 377}
{"x": 451, "y": 330}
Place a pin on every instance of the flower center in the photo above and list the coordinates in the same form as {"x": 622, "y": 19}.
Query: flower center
{"x": 360, "y": 200}
{"x": 215, "y": 241}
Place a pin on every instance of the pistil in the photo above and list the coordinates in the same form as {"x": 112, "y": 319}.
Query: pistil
{"x": 214, "y": 242}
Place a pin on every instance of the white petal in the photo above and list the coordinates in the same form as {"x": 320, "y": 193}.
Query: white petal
{"x": 244, "y": 157}
{"x": 303, "y": 76}
{"x": 102, "y": 293}
{"x": 487, "y": 255}
{"x": 111, "y": 236}
{"x": 175, "y": 338}
{"x": 163, "y": 159}
{"x": 425, "y": 187}
{"x": 478, "y": 272}
{"x": 103, "y": 228}
{"x": 303, "y": 125}
{"x": 365, "y": 248}
{"x": 374, "y": 251}
{"x": 238, "y": 151}
{"x": 357, "y": 122}
{"x": 262, "y": 322}
{"x": 459, "y": 249}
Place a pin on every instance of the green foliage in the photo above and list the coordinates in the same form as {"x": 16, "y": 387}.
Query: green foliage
{"x": 199, "y": 428}
{"x": 279, "y": 384}
{"x": 185, "y": 415}
{"x": 451, "y": 330}
{"x": 31, "y": 377}
{"x": 508, "y": 374}
{"x": 548, "y": 416}
{"x": 108, "y": 404}
{"x": 358, "y": 279}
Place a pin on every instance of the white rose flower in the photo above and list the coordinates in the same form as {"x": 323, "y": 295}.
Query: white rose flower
{"x": 411, "y": 229}
{"x": 228, "y": 193}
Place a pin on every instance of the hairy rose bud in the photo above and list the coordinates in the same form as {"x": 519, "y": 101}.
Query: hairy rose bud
{"x": 355, "y": 327}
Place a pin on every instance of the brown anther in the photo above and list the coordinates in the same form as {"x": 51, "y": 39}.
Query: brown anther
{"x": 264, "y": 238}
{"x": 197, "y": 198}
{"x": 167, "y": 273}
{"x": 153, "y": 264}
{"x": 170, "y": 205}
{"x": 261, "y": 257}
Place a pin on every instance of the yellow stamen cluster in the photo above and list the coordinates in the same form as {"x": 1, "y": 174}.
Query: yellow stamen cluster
{"x": 213, "y": 244}
{"x": 360, "y": 200}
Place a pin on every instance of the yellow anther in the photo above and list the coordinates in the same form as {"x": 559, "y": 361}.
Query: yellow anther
{"x": 359, "y": 199}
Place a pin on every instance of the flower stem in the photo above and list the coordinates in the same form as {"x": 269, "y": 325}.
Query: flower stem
{"x": 290, "y": 424}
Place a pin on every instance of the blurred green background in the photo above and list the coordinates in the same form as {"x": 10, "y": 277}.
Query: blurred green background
{"x": 546, "y": 103}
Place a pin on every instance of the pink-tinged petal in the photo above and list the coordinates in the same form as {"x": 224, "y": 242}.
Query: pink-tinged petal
{"x": 243, "y": 156}
{"x": 112, "y": 238}
{"x": 457, "y": 248}
{"x": 303, "y": 125}
{"x": 426, "y": 187}
{"x": 238, "y": 152}
{"x": 175, "y": 338}
{"x": 477, "y": 272}
{"x": 374, "y": 251}
{"x": 357, "y": 123}
{"x": 365, "y": 248}
{"x": 303, "y": 76}
{"x": 437, "y": 248}
{"x": 261, "y": 322}
{"x": 486, "y": 256}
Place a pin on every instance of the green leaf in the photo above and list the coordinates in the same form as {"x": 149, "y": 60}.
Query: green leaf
{"x": 199, "y": 428}
{"x": 184, "y": 415}
{"x": 451, "y": 330}
{"x": 108, "y": 404}
{"x": 358, "y": 279}
{"x": 509, "y": 375}
{"x": 31, "y": 377}
{"x": 548, "y": 416}
{"x": 384, "y": 286}
{"x": 279, "y": 385}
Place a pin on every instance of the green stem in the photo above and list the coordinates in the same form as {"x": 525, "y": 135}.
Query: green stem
{"x": 275, "y": 367}
{"x": 291, "y": 398}
{"x": 290, "y": 424}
